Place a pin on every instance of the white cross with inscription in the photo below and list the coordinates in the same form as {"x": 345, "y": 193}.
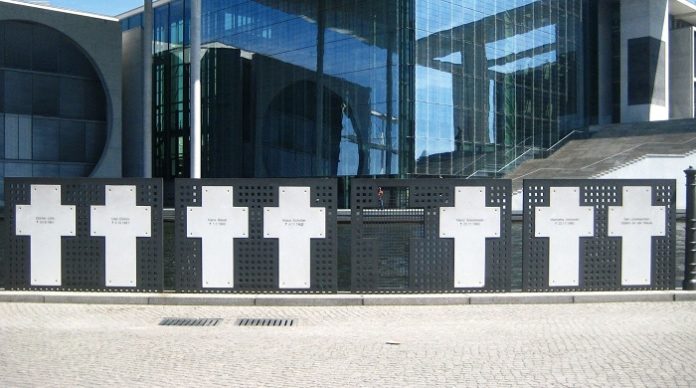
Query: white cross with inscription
{"x": 217, "y": 222}
{"x": 120, "y": 221}
{"x": 294, "y": 223}
{"x": 564, "y": 222}
{"x": 45, "y": 221}
{"x": 636, "y": 222}
{"x": 469, "y": 223}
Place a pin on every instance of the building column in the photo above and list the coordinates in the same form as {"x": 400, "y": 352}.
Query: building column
{"x": 321, "y": 160}
{"x": 195, "y": 89}
{"x": 644, "y": 60}
{"x": 147, "y": 88}
{"x": 605, "y": 98}
{"x": 681, "y": 73}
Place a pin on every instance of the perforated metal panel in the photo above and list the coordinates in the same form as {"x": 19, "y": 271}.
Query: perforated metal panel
{"x": 600, "y": 255}
{"x": 396, "y": 244}
{"x": 256, "y": 259}
{"x": 83, "y": 256}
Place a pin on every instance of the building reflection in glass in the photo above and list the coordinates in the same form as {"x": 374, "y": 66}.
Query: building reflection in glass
{"x": 368, "y": 87}
{"x": 494, "y": 80}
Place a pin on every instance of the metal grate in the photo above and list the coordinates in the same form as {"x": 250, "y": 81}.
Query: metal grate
{"x": 265, "y": 322}
{"x": 190, "y": 321}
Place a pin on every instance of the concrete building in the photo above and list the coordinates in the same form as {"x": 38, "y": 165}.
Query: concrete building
{"x": 347, "y": 88}
{"x": 407, "y": 87}
{"x": 60, "y": 93}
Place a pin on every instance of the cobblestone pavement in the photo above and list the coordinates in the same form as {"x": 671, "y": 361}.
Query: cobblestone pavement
{"x": 615, "y": 344}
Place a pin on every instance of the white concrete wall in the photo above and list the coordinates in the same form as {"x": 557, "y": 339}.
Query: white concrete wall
{"x": 641, "y": 18}
{"x": 658, "y": 167}
{"x": 649, "y": 167}
{"x": 681, "y": 73}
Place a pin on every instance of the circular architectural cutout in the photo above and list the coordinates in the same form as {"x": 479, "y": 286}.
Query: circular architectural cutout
{"x": 53, "y": 105}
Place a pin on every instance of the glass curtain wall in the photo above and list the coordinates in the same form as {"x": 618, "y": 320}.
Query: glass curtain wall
{"x": 289, "y": 88}
{"x": 368, "y": 87}
{"x": 494, "y": 81}
{"x": 171, "y": 90}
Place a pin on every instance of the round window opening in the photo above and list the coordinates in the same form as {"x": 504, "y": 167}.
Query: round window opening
{"x": 53, "y": 108}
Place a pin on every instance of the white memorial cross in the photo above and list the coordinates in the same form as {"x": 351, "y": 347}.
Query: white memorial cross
{"x": 636, "y": 222}
{"x": 469, "y": 223}
{"x": 294, "y": 223}
{"x": 45, "y": 221}
{"x": 120, "y": 221}
{"x": 564, "y": 222}
{"x": 217, "y": 222}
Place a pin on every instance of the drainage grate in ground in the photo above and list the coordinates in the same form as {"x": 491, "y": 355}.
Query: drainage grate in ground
{"x": 265, "y": 322}
{"x": 190, "y": 321}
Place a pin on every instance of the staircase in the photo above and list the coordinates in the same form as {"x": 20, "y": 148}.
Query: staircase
{"x": 609, "y": 147}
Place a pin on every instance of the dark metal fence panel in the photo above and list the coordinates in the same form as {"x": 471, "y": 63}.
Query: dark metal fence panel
{"x": 86, "y": 234}
{"x": 398, "y": 244}
{"x": 595, "y": 235}
{"x": 224, "y": 244}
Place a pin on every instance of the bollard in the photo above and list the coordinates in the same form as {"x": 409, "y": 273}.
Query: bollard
{"x": 690, "y": 242}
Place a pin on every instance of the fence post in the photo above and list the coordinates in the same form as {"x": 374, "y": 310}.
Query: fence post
{"x": 690, "y": 242}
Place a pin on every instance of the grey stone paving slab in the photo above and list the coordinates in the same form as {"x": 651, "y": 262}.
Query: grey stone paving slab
{"x": 21, "y": 297}
{"x": 88, "y": 298}
{"x": 681, "y": 296}
{"x": 628, "y": 296}
{"x": 415, "y": 300}
{"x": 522, "y": 298}
{"x": 308, "y": 300}
{"x": 202, "y": 300}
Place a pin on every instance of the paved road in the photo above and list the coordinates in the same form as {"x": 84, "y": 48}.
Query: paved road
{"x": 616, "y": 344}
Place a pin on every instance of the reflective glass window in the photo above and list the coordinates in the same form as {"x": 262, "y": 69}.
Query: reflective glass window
{"x": 46, "y": 92}
{"x": 46, "y": 139}
{"x": 24, "y": 135}
{"x": 18, "y": 43}
{"x": 45, "y": 46}
{"x": 493, "y": 81}
{"x": 2, "y": 137}
{"x": 18, "y": 92}
{"x": 72, "y": 141}
{"x": 320, "y": 88}
{"x": 11, "y": 136}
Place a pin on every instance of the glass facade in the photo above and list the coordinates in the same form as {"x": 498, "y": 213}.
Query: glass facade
{"x": 494, "y": 79}
{"x": 290, "y": 88}
{"x": 171, "y": 91}
{"x": 52, "y": 104}
{"x": 368, "y": 87}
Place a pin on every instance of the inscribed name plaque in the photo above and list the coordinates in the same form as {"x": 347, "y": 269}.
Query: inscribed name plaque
{"x": 120, "y": 221}
{"x": 294, "y": 223}
{"x": 217, "y": 222}
{"x": 469, "y": 223}
{"x": 45, "y": 221}
{"x": 564, "y": 221}
{"x": 636, "y": 222}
